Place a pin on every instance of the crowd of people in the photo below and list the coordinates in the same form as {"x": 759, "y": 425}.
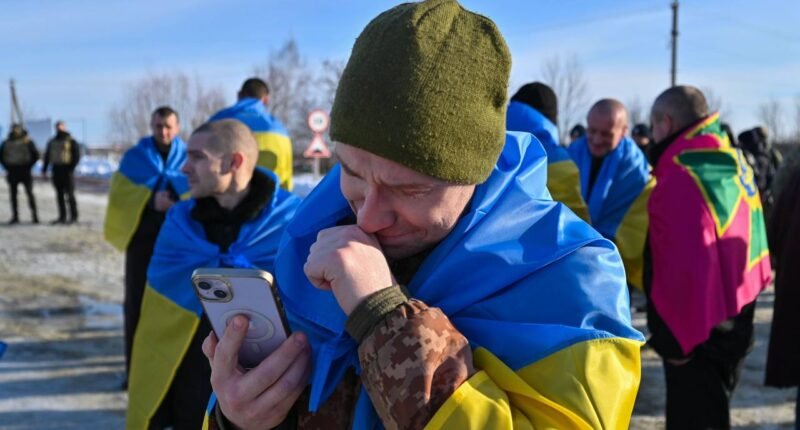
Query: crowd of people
{"x": 18, "y": 155}
{"x": 458, "y": 267}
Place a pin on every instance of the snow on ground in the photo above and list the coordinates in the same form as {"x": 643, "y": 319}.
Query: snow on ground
{"x": 60, "y": 294}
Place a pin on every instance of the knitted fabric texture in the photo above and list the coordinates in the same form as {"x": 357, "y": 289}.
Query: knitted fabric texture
{"x": 426, "y": 87}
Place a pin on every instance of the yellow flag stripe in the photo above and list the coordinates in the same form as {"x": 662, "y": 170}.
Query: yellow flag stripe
{"x": 162, "y": 338}
{"x": 126, "y": 202}
{"x": 632, "y": 234}
{"x": 589, "y": 385}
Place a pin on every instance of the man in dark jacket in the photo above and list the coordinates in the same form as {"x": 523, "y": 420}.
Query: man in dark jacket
{"x": 706, "y": 259}
{"x": 63, "y": 152}
{"x": 18, "y": 154}
{"x": 146, "y": 185}
{"x": 783, "y": 357}
{"x": 235, "y": 218}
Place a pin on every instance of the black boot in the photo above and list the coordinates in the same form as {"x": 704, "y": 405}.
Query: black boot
{"x": 13, "y": 220}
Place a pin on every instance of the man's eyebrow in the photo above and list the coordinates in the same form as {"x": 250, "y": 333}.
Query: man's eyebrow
{"x": 349, "y": 171}
{"x": 404, "y": 185}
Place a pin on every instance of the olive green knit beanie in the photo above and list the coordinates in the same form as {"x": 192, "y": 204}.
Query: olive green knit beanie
{"x": 426, "y": 87}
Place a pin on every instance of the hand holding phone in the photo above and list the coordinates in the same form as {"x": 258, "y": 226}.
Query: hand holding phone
{"x": 225, "y": 293}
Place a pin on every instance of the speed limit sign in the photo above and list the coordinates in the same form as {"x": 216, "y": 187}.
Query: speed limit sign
{"x": 318, "y": 121}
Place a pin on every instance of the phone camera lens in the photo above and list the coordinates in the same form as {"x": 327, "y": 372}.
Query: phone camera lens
{"x": 204, "y": 285}
{"x": 220, "y": 294}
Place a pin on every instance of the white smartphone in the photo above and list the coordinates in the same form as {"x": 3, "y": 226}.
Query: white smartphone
{"x": 225, "y": 293}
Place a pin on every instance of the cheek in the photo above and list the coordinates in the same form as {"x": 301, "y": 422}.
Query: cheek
{"x": 351, "y": 189}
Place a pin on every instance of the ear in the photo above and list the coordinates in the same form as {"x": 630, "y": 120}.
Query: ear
{"x": 265, "y": 100}
{"x": 237, "y": 161}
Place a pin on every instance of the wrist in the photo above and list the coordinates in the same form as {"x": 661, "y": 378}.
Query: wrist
{"x": 372, "y": 310}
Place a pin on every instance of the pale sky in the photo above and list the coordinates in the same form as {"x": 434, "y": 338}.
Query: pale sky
{"x": 72, "y": 59}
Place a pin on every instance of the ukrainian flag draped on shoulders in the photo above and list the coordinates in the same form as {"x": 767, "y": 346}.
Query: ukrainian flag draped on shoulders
{"x": 707, "y": 235}
{"x": 563, "y": 178}
{"x": 274, "y": 144}
{"x": 618, "y": 200}
{"x": 170, "y": 310}
{"x": 141, "y": 172}
{"x": 540, "y": 296}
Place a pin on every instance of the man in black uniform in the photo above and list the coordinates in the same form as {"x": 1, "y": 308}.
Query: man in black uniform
{"x": 63, "y": 153}
{"x": 18, "y": 154}
{"x": 165, "y": 125}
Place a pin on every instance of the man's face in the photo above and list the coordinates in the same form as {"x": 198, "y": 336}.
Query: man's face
{"x": 660, "y": 127}
{"x": 208, "y": 172}
{"x": 60, "y": 126}
{"x": 604, "y": 131}
{"x": 407, "y": 211}
{"x": 642, "y": 141}
{"x": 164, "y": 129}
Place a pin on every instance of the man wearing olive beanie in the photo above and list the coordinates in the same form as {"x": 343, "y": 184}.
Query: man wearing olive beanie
{"x": 430, "y": 280}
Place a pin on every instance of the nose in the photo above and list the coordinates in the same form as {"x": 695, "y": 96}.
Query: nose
{"x": 375, "y": 213}
{"x": 186, "y": 169}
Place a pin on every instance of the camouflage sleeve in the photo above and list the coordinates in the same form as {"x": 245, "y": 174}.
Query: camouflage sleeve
{"x": 412, "y": 361}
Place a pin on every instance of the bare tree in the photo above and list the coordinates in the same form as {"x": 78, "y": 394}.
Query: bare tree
{"x": 130, "y": 120}
{"x": 290, "y": 83}
{"x": 296, "y": 89}
{"x": 771, "y": 115}
{"x": 566, "y": 78}
{"x": 328, "y": 81}
{"x": 797, "y": 119}
{"x": 636, "y": 112}
{"x": 716, "y": 104}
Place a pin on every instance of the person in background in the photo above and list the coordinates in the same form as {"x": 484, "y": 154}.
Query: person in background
{"x": 147, "y": 184}
{"x": 641, "y": 135}
{"x": 707, "y": 259}
{"x": 615, "y": 182}
{"x": 783, "y": 355}
{"x": 18, "y": 154}
{"x": 534, "y": 109}
{"x": 235, "y": 218}
{"x": 63, "y": 154}
{"x": 274, "y": 145}
{"x": 577, "y": 132}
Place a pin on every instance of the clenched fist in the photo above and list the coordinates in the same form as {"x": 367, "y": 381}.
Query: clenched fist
{"x": 349, "y": 262}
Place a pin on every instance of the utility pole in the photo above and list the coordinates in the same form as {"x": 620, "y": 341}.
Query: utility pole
{"x": 674, "y": 73}
{"x": 16, "y": 112}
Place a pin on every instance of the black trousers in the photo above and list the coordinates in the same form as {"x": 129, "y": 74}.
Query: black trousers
{"x": 14, "y": 178}
{"x": 184, "y": 406}
{"x": 699, "y": 392}
{"x": 64, "y": 183}
{"x": 137, "y": 258}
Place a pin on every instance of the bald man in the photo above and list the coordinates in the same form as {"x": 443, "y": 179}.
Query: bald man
{"x": 615, "y": 182}
{"x": 235, "y": 218}
{"x": 707, "y": 259}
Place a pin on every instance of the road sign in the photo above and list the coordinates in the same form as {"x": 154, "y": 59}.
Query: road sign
{"x": 318, "y": 121}
{"x": 317, "y": 148}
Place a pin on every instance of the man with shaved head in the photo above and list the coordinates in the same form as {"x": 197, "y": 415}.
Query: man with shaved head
{"x": 235, "y": 218}
{"x": 615, "y": 182}
{"x": 706, "y": 260}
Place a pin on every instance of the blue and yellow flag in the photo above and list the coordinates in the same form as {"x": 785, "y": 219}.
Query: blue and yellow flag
{"x": 170, "y": 310}
{"x": 618, "y": 200}
{"x": 141, "y": 172}
{"x": 274, "y": 145}
{"x": 563, "y": 179}
{"x": 538, "y": 293}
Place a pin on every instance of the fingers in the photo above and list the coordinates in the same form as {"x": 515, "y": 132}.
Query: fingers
{"x": 277, "y": 366}
{"x": 226, "y": 355}
{"x": 209, "y": 347}
{"x": 290, "y": 385}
